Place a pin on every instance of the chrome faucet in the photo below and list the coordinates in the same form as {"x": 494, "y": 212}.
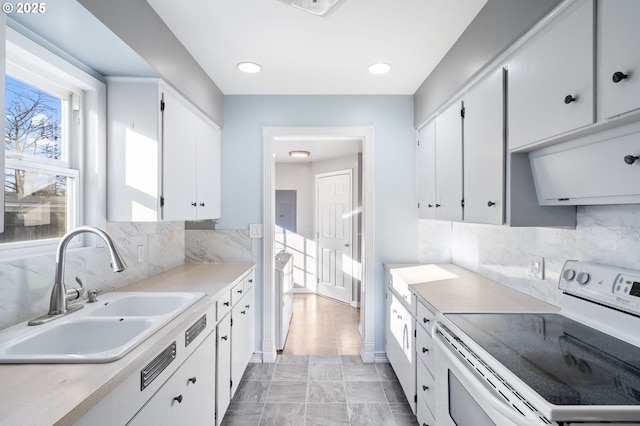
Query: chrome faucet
{"x": 60, "y": 294}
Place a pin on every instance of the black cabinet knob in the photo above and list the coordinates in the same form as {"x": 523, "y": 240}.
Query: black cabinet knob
{"x": 194, "y": 204}
{"x": 239, "y": 291}
{"x": 224, "y": 337}
{"x": 425, "y": 350}
{"x": 178, "y": 398}
{"x": 618, "y": 76}
{"x": 568, "y": 99}
{"x": 630, "y": 159}
{"x": 192, "y": 380}
{"x": 247, "y": 306}
{"x": 437, "y": 205}
{"x": 201, "y": 204}
{"x": 424, "y": 388}
{"x": 424, "y": 320}
{"x": 491, "y": 204}
{"x": 429, "y": 205}
{"x": 226, "y": 303}
{"x": 243, "y": 312}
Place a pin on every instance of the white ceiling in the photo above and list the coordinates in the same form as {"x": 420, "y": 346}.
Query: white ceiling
{"x": 306, "y": 54}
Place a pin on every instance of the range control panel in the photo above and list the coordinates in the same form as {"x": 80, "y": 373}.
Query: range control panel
{"x": 615, "y": 287}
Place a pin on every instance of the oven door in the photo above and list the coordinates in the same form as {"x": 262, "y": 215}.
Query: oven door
{"x": 464, "y": 400}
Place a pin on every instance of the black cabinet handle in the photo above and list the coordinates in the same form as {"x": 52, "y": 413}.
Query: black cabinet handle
{"x": 251, "y": 280}
{"x": 424, "y": 320}
{"x": 194, "y": 204}
{"x": 429, "y": 205}
{"x": 425, "y": 350}
{"x": 192, "y": 380}
{"x": 247, "y": 306}
{"x": 618, "y": 76}
{"x": 224, "y": 337}
{"x": 491, "y": 204}
{"x": 178, "y": 398}
{"x": 630, "y": 159}
{"x": 437, "y": 205}
{"x": 201, "y": 204}
{"x": 568, "y": 99}
{"x": 424, "y": 388}
{"x": 226, "y": 303}
{"x": 239, "y": 291}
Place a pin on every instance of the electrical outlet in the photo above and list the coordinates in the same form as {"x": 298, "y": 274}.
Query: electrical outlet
{"x": 255, "y": 230}
{"x": 140, "y": 253}
{"x": 536, "y": 266}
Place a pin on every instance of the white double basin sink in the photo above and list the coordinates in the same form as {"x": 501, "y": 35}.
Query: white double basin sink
{"x": 102, "y": 331}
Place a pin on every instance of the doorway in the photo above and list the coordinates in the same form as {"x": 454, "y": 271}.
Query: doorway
{"x": 363, "y": 268}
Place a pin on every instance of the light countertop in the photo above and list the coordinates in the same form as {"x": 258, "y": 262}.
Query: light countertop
{"x": 451, "y": 288}
{"x": 59, "y": 394}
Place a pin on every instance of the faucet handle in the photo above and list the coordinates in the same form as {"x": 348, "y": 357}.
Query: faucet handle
{"x": 75, "y": 293}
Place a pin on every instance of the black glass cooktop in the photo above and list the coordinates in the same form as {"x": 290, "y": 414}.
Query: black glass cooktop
{"x": 566, "y": 362}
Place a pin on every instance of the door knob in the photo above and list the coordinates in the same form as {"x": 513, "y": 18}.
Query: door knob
{"x": 346, "y": 245}
{"x": 630, "y": 159}
{"x": 568, "y": 99}
{"x": 618, "y": 76}
{"x": 491, "y": 204}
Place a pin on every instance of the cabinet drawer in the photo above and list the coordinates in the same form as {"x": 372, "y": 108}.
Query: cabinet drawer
{"x": 405, "y": 295}
{"x": 424, "y": 316}
{"x": 425, "y": 385}
{"x": 248, "y": 281}
{"x": 236, "y": 293}
{"x": 223, "y": 305}
{"x": 425, "y": 418}
{"x": 424, "y": 346}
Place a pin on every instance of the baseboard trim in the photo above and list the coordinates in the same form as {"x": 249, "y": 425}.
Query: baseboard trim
{"x": 381, "y": 357}
{"x": 256, "y": 358}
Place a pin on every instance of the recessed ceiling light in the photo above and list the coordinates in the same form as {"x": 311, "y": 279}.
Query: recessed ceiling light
{"x": 379, "y": 68}
{"x": 317, "y": 7}
{"x": 249, "y": 67}
{"x": 299, "y": 154}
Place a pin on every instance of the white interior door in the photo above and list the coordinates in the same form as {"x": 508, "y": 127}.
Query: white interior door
{"x": 334, "y": 217}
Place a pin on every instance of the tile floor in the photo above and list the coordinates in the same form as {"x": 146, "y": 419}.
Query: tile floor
{"x": 319, "y": 378}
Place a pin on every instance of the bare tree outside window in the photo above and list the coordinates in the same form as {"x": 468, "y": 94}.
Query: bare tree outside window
{"x": 35, "y": 201}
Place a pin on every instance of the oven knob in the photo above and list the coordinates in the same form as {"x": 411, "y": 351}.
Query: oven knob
{"x": 569, "y": 274}
{"x": 583, "y": 278}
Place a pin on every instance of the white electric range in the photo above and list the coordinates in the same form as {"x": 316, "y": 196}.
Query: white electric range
{"x": 579, "y": 366}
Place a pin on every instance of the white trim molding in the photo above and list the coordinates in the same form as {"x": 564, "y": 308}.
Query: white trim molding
{"x": 367, "y": 296}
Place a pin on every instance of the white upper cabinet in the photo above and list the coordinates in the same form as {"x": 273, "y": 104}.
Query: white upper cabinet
{"x": 484, "y": 166}
{"x": 618, "y": 70}
{"x": 163, "y": 155}
{"x": 550, "y": 81}
{"x": 449, "y": 164}
{"x": 427, "y": 171}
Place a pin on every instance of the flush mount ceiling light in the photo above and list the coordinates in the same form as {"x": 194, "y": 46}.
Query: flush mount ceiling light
{"x": 316, "y": 7}
{"x": 379, "y": 68}
{"x": 249, "y": 67}
{"x": 299, "y": 154}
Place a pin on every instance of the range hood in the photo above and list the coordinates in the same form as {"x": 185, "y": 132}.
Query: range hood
{"x": 601, "y": 168}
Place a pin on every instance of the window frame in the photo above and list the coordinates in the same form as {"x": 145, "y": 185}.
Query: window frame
{"x": 85, "y": 123}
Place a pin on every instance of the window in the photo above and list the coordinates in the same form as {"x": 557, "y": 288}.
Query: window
{"x": 40, "y": 189}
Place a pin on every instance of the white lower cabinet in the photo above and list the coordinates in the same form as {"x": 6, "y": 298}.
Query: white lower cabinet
{"x": 399, "y": 338}
{"x": 242, "y": 338}
{"x": 223, "y": 370}
{"x": 188, "y": 396}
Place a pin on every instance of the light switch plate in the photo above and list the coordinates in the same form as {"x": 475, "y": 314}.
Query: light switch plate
{"x": 536, "y": 266}
{"x": 255, "y": 230}
{"x": 140, "y": 253}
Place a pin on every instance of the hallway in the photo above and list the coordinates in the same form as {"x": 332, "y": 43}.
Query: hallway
{"x": 319, "y": 378}
{"x": 322, "y": 326}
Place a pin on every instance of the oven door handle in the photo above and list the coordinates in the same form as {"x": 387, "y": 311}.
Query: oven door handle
{"x": 479, "y": 387}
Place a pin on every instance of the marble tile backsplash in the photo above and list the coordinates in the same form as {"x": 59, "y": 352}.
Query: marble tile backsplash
{"x": 223, "y": 245}
{"x": 607, "y": 235}
{"x": 25, "y": 283}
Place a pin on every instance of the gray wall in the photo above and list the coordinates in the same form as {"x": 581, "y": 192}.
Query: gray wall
{"x": 497, "y": 26}
{"x": 161, "y": 48}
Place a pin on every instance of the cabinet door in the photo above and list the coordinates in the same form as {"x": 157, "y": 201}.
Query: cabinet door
{"x": 241, "y": 338}
{"x": 617, "y": 46}
{"x": 484, "y": 151}
{"x": 449, "y": 164}
{"x": 553, "y": 68}
{"x": 427, "y": 171}
{"x": 208, "y": 171}
{"x": 187, "y": 397}
{"x": 223, "y": 368}
{"x": 178, "y": 159}
{"x": 400, "y": 346}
